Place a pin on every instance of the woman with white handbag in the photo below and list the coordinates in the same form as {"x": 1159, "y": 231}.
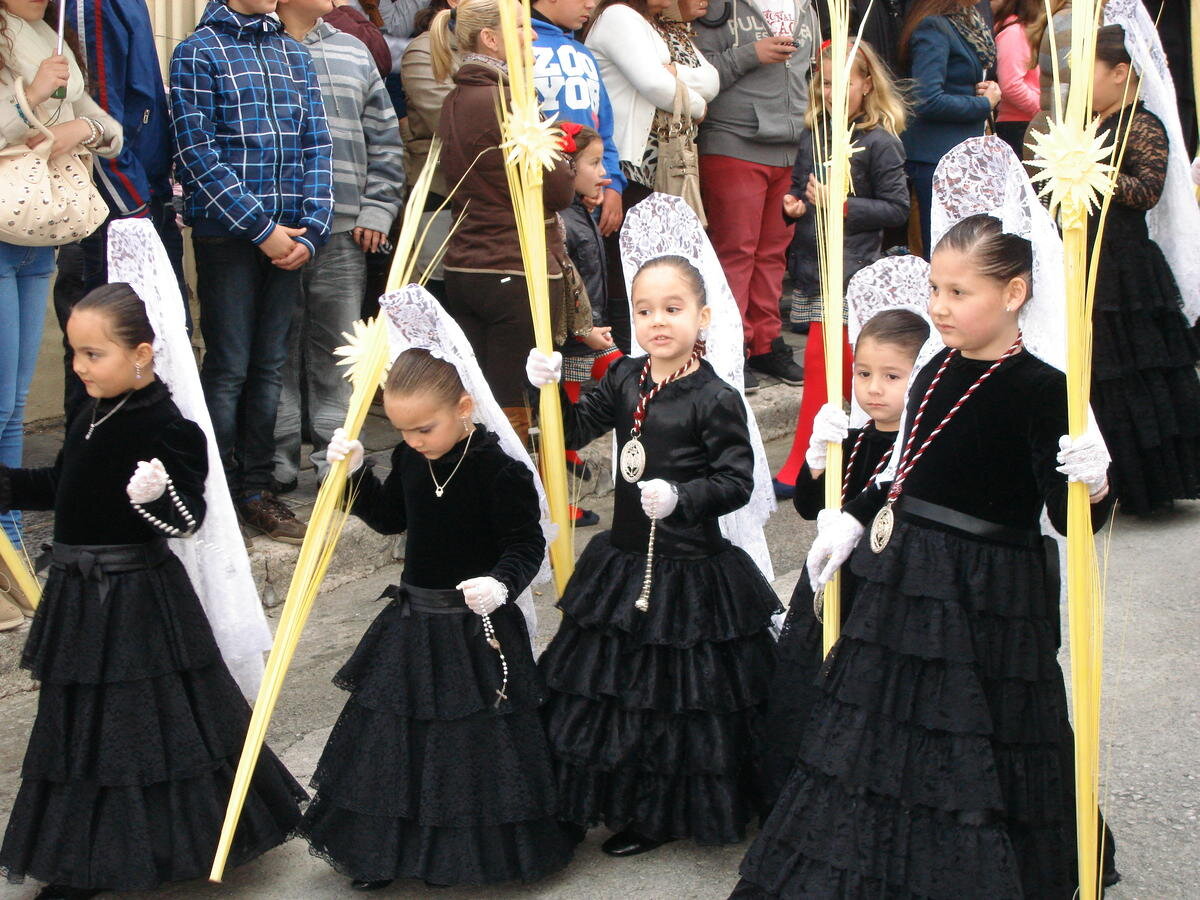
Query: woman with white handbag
{"x": 49, "y": 127}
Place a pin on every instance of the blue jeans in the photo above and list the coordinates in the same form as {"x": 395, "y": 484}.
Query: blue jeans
{"x": 315, "y": 389}
{"x": 24, "y": 283}
{"x": 921, "y": 174}
{"x": 246, "y": 310}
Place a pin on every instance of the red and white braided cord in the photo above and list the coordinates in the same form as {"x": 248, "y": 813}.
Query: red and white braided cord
{"x": 906, "y": 463}
{"x": 639, "y": 414}
{"x": 850, "y": 465}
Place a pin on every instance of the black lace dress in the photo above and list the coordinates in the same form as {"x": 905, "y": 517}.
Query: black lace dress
{"x": 139, "y": 724}
{"x": 1145, "y": 390}
{"x": 654, "y": 718}
{"x": 424, "y": 775}
{"x": 801, "y": 646}
{"x": 938, "y": 758}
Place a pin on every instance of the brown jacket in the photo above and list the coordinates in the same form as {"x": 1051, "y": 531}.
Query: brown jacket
{"x": 487, "y": 240}
{"x": 425, "y": 96}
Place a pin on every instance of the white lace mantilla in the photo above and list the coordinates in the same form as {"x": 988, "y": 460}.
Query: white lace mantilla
{"x": 214, "y": 556}
{"x": 664, "y": 225}
{"x": 416, "y": 320}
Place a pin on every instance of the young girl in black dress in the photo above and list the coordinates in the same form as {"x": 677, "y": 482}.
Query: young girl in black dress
{"x": 656, "y": 698}
{"x": 937, "y": 760}
{"x": 139, "y": 724}
{"x": 438, "y": 767}
{"x": 1145, "y": 391}
{"x": 884, "y": 355}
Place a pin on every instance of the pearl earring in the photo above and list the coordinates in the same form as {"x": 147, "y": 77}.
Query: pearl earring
{"x": 466, "y": 428}
{"x": 137, "y": 371}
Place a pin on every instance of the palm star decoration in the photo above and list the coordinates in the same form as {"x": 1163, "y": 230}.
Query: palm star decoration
{"x": 530, "y": 138}
{"x": 1073, "y": 163}
{"x": 356, "y": 352}
{"x": 848, "y": 146}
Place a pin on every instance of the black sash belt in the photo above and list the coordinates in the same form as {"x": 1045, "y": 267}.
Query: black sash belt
{"x": 426, "y": 600}
{"x": 96, "y": 561}
{"x": 912, "y": 508}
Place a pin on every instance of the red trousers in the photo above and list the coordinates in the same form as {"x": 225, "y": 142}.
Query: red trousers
{"x": 744, "y": 204}
{"x": 816, "y": 395}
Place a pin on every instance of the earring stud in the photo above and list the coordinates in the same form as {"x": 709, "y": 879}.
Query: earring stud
{"x": 137, "y": 371}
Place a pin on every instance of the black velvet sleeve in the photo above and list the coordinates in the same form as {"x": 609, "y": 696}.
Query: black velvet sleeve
{"x": 809, "y": 498}
{"x": 868, "y": 503}
{"x": 380, "y": 504}
{"x": 1049, "y": 423}
{"x": 729, "y": 482}
{"x": 516, "y": 522}
{"x": 183, "y": 451}
{"x": 29, "y": 488}
{"x": 595, "y": 413}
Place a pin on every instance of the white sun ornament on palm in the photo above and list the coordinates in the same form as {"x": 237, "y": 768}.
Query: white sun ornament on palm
{"x": 530, "y": 139}
{"x": 356, "y": 350}
{"x": 1074, "y": 167}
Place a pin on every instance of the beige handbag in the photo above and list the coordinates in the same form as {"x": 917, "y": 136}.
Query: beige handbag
{"x": 46, "y": 201}
{"x": 678, "y": 171}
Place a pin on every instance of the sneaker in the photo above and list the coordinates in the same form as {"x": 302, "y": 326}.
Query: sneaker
{"x": 584, "y": 518}
{"x": 778, "y": 363}
{"x": 750, "y": 382}
{"x": 261, "y": 511}
{"x": 801, "y": 327}
{"x": 783, "y": 490}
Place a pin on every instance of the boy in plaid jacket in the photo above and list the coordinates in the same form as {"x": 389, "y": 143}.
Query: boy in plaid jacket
{"x": 253, "y": 152}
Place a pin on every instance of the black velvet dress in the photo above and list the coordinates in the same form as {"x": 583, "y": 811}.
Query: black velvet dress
{"x": 654, "y": 718}
{"x": 139, "y": 724}
{"x": 938, "y": 758}
{"x": 424, "y": 775}
{"x": 1145, "y": 390}
{"x": 801, "y": 646}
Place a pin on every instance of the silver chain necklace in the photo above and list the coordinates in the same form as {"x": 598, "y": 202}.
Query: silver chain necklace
{"x": 108, "y": 415}
{"x": 439, "y": 489}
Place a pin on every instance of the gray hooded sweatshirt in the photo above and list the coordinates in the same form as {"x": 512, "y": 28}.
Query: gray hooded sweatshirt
{"x": 368, "y": 155}
{"x": 758, "y": 115}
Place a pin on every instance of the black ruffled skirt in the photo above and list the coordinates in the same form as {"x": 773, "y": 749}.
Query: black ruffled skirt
{"x": 424, "y": 776}
{"x": 794, "y": 686}
{"x": 1145, "y": 390}
{"x": 654, "y": 718}
{"x": 938, "y": 758}
{"x": 137, "y": 737}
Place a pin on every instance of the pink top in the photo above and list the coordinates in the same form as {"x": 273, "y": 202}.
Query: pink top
{"x": 1020, "y": 87}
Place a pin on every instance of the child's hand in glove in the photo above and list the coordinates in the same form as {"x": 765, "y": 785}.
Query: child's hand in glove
{"x": 1085, "y": 459}
{"x": 541, "y": 369}
{"x": 831, "y": 426}
{"x": 659, "y": 498}
{"x": 838, "y": 533}
{"x": 148, "y": 482}
{"x": 341, "y": 448}
{"x": 483, "y": 595}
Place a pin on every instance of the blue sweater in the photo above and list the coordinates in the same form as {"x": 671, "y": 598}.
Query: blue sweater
{"x": 945, "y": 69}
{"x": 122, "y": 64}
{"x": 252, "y": 148}
{"x": 568, "y": 81}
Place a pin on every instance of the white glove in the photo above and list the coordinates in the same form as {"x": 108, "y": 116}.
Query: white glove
{"x": 484, "y": 594}
{"x": 831, "y": 426}
{"x": 341, "y": 448}
{"x": 148, "y": 482}
{"x": 541, "y": 369}
{"x": 659, "y": 498}
{"x": 1085, "y": 459}
{"x": 838, "y": 533}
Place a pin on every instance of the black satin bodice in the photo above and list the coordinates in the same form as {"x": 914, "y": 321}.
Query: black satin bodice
{"x": 696, "y": 438}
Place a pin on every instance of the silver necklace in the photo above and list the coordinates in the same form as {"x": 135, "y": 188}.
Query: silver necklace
{"x": 108, "y": 415}
{"x": 439, "y": 489}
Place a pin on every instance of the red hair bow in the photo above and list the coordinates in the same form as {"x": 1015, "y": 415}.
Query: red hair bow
{"x": 569, "y": 130}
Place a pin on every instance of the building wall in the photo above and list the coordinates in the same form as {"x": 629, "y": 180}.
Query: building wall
{"x": 173, "y": 20}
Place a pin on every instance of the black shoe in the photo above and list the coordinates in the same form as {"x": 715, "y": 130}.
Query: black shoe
{"x": 801, "y": 327}
{"x": 751, "y": 383}
{"x": 584, "y": 518}
{"x": 63, "y": 892}
{"x": 284, "y": 487}
{"x": 575, "y": 833}
{"x": 783, "y": 491}
{"x": 778, "y": 363}
{"x": 360, "y": 885}
{"x": 629, "y": 843}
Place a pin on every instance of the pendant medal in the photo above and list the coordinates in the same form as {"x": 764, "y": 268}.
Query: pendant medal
{"x": 881, "y": 528}
{"x": 633, "y": 460}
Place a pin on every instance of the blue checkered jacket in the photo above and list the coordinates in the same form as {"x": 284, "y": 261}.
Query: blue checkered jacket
{"x": 252, "y": 148}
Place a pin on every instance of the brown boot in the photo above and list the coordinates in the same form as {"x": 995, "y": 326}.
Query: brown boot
{"x": 10, "y": 586}
{"x": 519, "y": 418}
{"x": 262, "y": 512}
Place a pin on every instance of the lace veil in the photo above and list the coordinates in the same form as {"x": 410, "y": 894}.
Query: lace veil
{"x": 1175, "y": 221}
{"x": 664, "y": 225}
{"x": 214, "y": 557}
{"x": 416, "y": 319}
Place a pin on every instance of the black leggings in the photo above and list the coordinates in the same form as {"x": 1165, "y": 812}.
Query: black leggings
{"x": 493, "y": 311}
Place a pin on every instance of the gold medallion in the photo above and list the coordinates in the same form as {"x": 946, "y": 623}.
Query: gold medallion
{"x": 881, "y": 528}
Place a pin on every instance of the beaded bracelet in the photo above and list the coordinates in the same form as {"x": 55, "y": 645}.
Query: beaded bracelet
{"x": 162, "y": 526}
{"x": 97, "y": 133}
{"x": 21, "y": 113}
